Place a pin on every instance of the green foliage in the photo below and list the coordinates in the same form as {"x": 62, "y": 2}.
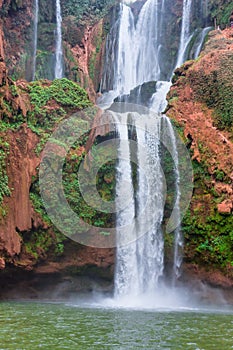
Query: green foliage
{"x": 38, "y": 243}
{"x": 208, "y": 234}
{"x": 93, "y": 9}
{"x": 209, "y": 237}
{"x": 4, "y": 188}
{"x": 63, "y": 91}
{"x": 221, "y": 10}
{"x": 215, "y": 89}
{"x": 105, "y": 184}
{"x": 51, "y": 103}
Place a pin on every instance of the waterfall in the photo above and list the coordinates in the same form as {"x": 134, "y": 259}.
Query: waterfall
{"x": 134, "y": 52}
{"x": 36, "y": 13}
{"x": 139, "y": 263}
{"x": 204, "y": 9}
{"x": 125, "y": 74}
{"x": 126, "y": 267}
{"x": 185, "y": 36}
{"x": 138, "y": 51}
{"x": 169, "y": 135}
{"x": 202, "y": 37}
{"x": 147, "y": 43}
{"x": 59, "y": 53}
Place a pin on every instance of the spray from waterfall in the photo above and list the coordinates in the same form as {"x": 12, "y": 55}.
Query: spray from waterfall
{"x": 35, "y": 37}
{"x": 59, "y": 52}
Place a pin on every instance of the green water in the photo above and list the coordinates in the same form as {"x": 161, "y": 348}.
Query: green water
{"x": 60, "y": 326}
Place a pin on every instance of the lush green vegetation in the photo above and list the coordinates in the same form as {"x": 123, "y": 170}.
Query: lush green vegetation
{"x": 4, "y": 188}
{"x": 215, "y": 89}
{"x": 62, "y": 92}
{"x": 104, "y": 182}
{"x": 221, "y": 10}
{"x": 208, "y": 234}
{"x": 93, "y": 10}
{"x": 48, "y": 103}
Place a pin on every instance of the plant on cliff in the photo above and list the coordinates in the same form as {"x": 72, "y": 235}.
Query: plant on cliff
{"x": 208, "y": 234}
{"x": 104, "y": 182}
{"x": 93, "y": 10}
{"x": 215, "y": 89}
{"x": 220, "y": 10}
{"x": 4, "y": 188}
{"x": 61, "y": 93}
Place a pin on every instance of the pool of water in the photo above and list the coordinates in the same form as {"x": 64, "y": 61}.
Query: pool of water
{"x": 28, "y": 325}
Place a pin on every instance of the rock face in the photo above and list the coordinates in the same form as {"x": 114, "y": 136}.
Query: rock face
{"x": 87, "y": 70}
{"x": 22, "y": 163}
{"x": 199, "y": 104}
{"x": 142, "y": 94}
{"x": 83, "y": 43}
{"x": 19, "y": 221}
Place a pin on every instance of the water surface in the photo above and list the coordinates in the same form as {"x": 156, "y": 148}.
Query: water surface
{"x": 68, "y": 326}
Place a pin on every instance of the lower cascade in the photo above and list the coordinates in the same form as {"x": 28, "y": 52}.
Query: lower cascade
{"x": 139, "y": 263}
{"x": 140, "y": 203}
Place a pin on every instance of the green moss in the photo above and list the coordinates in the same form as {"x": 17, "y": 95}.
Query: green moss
{"x": 105, "y": 183}
{"x": 215, "y": 89}
{"x": 4, "y": 183}
{"x": 64, "y": 96}
{"x": 83, "y": 9}
{"x": 221, "y": 10}
{"x": 208, "y": 234}
{"x": 38, "y": 243}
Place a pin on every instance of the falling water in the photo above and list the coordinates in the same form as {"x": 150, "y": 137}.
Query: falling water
{"x": 204, "y": 9}
{"x": 59, "y": 53}
{"x": 185, "y": 32}
{"x": 147, "y": 43}
{"x": 35, "y": 38}
{"x": 202, "y": 37}
{"x": 126, "y": 274}
{"x": 125, "y": 75}
{"x": 168, "y": 133}
{"x": 139, "y": 263}
{"x": 136, "y": 58}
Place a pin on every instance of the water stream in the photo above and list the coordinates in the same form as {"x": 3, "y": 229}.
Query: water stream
{"x": 35, "y": 37}
{"x": 59, "y": 52}
{"x": 201, "y": 40}
{"x": 185, "y": 36}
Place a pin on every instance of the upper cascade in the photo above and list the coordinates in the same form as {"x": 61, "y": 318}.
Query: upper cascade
{"x": 140, "y": 47}
{"x": 185, "y": 36}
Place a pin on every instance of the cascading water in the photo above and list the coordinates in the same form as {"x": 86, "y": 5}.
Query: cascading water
{"x": 169, "y": 134}
{"x": 59, "y": 52}
{"x": 35, "y": 38}
{"x": 202, "y": 37}
{"x": 139, "y": 264}
{"x": 136, "y": 57}
{"x": 185, "y": 36}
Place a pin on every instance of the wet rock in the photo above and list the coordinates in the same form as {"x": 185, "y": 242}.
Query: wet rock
{"x": 141, "y": 94}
